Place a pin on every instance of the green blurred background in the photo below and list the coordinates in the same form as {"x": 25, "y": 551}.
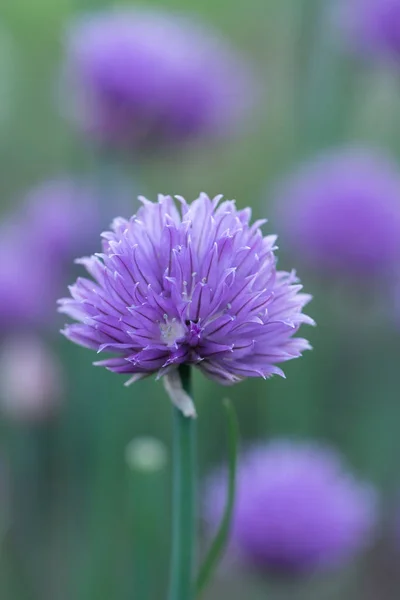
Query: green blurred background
{"x": 79, "y": 515}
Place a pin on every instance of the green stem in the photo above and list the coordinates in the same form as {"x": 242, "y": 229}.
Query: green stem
{"x": 183, "y": 501}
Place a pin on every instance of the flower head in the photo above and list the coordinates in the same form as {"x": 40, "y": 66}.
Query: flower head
{"x": 373, "y": 26}
{"x": 297, "y": 509}
{"x": 342, "y": 212}
{"x": 27, "y": 292}
{"x": 145, "y": 77}
{"x": 188, "y": 283}
{"x": 55, "y": 218}
{"x": 63, "y": 214}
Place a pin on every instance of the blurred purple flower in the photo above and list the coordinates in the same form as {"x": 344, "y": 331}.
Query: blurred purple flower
{"x": 31, "y": 382}
{"x": 64, "y": 215}
{"x": 147, "y": 77}
{"x": 342, "y": 212}
{"x": 195, "y": 285}
{"x": 373, "y": 26}
{"x": 28, "y": 284}
{"x": 56, "y": 218}
{"x": 297, "y": 509}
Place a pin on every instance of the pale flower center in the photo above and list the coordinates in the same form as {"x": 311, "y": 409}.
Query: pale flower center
{"x": 171, "y": 330}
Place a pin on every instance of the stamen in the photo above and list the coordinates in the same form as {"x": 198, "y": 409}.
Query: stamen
{"x": 171, "y": 331}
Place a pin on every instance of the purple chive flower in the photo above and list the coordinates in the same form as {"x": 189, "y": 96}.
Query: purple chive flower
{"x": 297, "y": 509}
{"x": 188, "y": 283}
{"x": 147, "y": 77}
{"x": 27, "y": 293}
{"x": 373, "y": 26}
{"x": 342, "y": 212}
{"x": 54, "y": 219}
{"x": 64, "y": 214}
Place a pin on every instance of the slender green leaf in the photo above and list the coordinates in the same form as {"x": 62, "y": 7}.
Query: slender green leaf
{"x": 218, "y": 546}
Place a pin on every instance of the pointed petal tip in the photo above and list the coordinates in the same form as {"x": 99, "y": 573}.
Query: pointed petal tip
{"x": 64, "y": 332}
{"x": 82, "y": 259}
{"x": 133, "y": 379}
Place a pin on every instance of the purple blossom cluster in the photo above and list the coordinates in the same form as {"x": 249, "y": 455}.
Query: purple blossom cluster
{"x": 55, "y": 219}
{"x": 146, "y": 78}
{"x": 188, "y": 283}
{"x": 297, "y": 508}
{"x": 25, "y": 294}
{"x": 64, "y": 214}
{"x": 373, "y": 26}
{"x": 341, "y": 212}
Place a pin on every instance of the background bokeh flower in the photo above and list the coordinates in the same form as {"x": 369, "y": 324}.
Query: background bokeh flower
{"x": 27, "y": 294}
{"x": 373, "y": 26}
{"x": 297, "y": 510}
{"x": 341, "y": 212}
{"x": 64, "y": 214}
{"x": 144, "y": 78}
